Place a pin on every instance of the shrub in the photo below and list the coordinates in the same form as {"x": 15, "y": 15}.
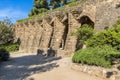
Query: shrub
{"x": 99, "y": 56}
{"x": 6, "y": 34}
{"x": 110, "y": 37}
{"x": 10, "y": 47}
{"x": 84, "y": 33}
{"x": 42, "y": 10}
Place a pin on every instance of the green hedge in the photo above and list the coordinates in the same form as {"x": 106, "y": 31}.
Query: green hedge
{"x": 110, "y": 37}
{"x": 99, "y": 56}
{"x": 84, "y": 33}
{"x": 10, "y": 47}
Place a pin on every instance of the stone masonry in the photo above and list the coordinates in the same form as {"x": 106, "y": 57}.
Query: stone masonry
{"x": 55, "y": 31}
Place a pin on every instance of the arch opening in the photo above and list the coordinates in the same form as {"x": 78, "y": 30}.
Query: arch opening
{"x": 84, "y": 20}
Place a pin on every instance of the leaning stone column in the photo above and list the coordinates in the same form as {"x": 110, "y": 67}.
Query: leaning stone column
{"x": 57, "y": 34}
{"x": 31, "y": 34}
{"x": 37, "y": 35}
{"x": 71, "y": 41}
{"x": 46, "y": 35}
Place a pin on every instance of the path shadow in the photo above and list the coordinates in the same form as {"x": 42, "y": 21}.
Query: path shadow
{"x": 21, "y": 67}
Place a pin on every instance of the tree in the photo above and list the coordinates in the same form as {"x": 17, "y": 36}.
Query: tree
{"x": 55, "y": 3}
{"x": 64, "y": 2}
{"x": 7, "y": 22}
{"x": 39, "y": 7}
{"x": 6, "y": 34}
{"x": 41, "y": 4}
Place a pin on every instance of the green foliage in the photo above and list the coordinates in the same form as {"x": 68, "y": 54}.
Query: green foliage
{"x": 6, "y": 34}
{"x": 36, "y": 11}
{"x": 102, "y": 48}
{"x": 55, "y": 3}
{"x": 10, "y": 47}
{"x": 85, "y": 32}
{"x": 72, "y": 4}
{"x": 35, "y": 14}
{"x": 7, "y": 22}
{"x": 110, "y": 37}
{"x": 42, "y": 10}
{"x": 64, "y": 2}
{"x": 99, "y": 56}
{"x": 40, "y": 6}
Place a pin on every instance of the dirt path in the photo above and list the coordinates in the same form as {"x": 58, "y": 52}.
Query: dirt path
{"x": 24, "y": 67}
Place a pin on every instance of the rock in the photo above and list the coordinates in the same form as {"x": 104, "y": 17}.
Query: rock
{"x": 107, "y": 74}
{"x": 115, "y": 77}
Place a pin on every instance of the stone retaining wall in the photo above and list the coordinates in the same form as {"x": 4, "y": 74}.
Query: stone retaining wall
{"x": 107, "y": 74}
{"x": 55, "y": 30}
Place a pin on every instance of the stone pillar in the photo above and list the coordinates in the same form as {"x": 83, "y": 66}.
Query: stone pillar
{"x": 71, "y": 41}
{"x": 16, "y": 32}
{"x": 37, "y": 35}
{"x": 46, "y": 35}
{"x": 31, "y": 34}
{"x": 57, "y": 34}
{"x": 24, "y": 37}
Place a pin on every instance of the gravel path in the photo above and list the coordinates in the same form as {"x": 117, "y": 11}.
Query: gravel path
{"x": 26, "y": 66}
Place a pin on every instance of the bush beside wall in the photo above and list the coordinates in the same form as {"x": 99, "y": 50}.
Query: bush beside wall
{"x": 102, "y": 48}
{"x": 99, "y": 56}
{"x": 10, "y": 47}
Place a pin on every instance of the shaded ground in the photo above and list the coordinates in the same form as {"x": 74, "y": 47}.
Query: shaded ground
{"x": 20, "y": 67}
{"x": 24, "y": 66}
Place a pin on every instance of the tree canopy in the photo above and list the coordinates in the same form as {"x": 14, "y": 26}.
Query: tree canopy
{"x": 6, "y": 34}
{"x": 41, "y": 6}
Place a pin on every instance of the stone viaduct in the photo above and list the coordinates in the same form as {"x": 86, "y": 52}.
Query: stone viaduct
{"x": 55, "y": 30}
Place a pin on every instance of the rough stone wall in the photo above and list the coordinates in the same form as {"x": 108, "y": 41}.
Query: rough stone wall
{"x": 25, "y": 36}
{"x": 21, "y": 36}
{"x": 57, "y": 38}
{"x": 56, "y": 30}
{"x": 37, "y": 36}
{"x": 104, "y": 73}
{"x": 29, "y": 35}
{"x": 71, "y": 41}
{"x": 46, "y": 35}
{"x": 106, "y": 14}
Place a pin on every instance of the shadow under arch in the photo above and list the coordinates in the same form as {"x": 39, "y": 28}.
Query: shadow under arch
{"x": 84, "y": 20}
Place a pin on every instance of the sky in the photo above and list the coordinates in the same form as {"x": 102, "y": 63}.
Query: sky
{"x": 15, "y": 9}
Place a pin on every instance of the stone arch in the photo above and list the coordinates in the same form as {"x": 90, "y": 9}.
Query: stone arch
{"x": 86, "y": 20}
{"x": 88, "y": 15}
